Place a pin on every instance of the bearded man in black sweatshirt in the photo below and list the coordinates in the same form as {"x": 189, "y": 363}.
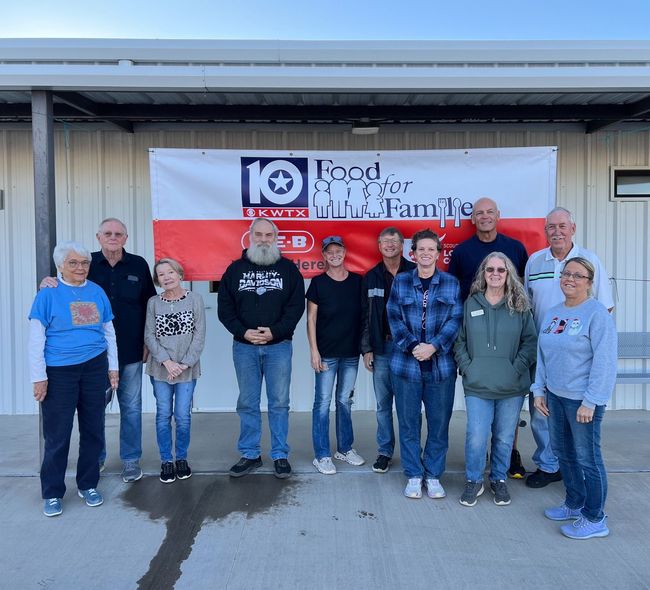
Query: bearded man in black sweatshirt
{"x": 261, "y": 299}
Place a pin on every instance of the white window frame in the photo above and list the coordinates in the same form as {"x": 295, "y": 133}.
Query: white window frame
{"x": 637, "y": 171}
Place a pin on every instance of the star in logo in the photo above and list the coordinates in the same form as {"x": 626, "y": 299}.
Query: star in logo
{"x": 280, "y": 182}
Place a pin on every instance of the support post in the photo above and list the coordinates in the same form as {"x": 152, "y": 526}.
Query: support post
{"x": 44, "y": 197}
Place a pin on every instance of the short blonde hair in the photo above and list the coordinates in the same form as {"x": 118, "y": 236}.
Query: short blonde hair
{"x": 589, "y": 267}
{"x": 173, "y": 263}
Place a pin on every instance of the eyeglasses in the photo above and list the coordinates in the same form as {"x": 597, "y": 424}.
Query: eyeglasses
{"x": 390, "y": 241}
{"x": 117, "y": 234}
{"x": 77, "y": 263}
{"x": 500, "y": 269}
{"x": 565, "y": 274}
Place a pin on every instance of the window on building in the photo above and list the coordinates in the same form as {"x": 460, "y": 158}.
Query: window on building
{"x": 630, "y": 184}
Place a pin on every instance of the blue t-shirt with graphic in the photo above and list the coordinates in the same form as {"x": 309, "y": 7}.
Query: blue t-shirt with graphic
{"x": 74, "y": 319}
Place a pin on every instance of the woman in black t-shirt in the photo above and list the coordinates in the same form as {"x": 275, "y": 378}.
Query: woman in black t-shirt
{"x": 333, "y": 330}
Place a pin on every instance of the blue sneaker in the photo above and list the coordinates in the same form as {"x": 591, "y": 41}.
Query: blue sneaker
{"x": 585, "y": 529}
{"x": 52, "y": 507}
{"x": 92, "y": 497}
{"x": 562, "y": 512}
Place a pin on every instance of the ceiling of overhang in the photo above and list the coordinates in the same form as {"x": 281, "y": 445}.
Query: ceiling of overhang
{"x": 124, "y": 109}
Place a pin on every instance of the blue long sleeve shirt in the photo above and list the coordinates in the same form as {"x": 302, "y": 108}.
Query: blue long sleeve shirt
{"x": 577, "y": 353}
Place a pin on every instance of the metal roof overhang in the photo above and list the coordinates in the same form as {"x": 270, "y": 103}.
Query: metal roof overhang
{"x": 129, "y": 82}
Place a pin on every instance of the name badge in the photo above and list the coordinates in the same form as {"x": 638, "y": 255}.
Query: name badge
{"x": 132, "y": 278}
{"x": 477, "y": 313}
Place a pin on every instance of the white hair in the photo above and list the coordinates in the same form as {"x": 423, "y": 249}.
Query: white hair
{"x": 116, "y": 220}
{"x": 62, "y": 250}
{"x": 561, "y": 210}
{"x": 260, "y": 219}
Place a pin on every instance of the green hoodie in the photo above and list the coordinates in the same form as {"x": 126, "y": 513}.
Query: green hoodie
{"x": 495, "y": 349}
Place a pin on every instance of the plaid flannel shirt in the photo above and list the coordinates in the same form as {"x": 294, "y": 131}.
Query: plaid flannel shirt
{"x": 443, "y": 321}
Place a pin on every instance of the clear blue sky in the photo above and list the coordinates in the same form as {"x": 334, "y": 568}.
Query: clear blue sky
{"x": 328, "y": 19}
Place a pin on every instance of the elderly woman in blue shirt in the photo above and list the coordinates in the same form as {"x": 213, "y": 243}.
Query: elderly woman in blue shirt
{"x": 575, "y": 377}
{"x": 424, "y": 312}
{"x": 73, "y": 358}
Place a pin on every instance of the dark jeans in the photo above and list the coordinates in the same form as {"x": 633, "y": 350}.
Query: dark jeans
{"x": 577, "y": 447}
{"x": 74, "y": 387}
{"x": 438, "y": 400}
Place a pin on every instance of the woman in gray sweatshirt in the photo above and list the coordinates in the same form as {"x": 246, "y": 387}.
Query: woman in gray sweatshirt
{"x": 575, "y": 377}
{"x": 175, "y": 335}
{"x": 494, "y": 351}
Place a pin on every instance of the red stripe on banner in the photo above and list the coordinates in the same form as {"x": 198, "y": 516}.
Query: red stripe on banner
{"x": 205, "y": 248}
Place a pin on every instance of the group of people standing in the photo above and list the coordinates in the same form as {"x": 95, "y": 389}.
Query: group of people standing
{"x": 420, "y": 326}
{"x": 415, "y": 326}
{"x": 92, "y": 328}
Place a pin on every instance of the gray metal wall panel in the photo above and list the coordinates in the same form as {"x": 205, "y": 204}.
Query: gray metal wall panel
{"x": 105, "y": 173}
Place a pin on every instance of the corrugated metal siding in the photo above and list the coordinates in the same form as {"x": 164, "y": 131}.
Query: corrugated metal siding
{"x": 105, "y": 173}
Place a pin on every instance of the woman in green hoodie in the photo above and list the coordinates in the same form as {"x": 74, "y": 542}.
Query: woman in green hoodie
{"x": 495, "y": 349}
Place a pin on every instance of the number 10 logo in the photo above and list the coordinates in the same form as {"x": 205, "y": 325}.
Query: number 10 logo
{"x": 269, "y": 182}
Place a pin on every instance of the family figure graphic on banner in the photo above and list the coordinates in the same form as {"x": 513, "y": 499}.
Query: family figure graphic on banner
{"x": 353, "y": 198}
{"x": 508, "y": 324}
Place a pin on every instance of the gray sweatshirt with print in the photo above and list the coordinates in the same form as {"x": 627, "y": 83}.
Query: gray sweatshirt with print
{"x": 577, "y": 353}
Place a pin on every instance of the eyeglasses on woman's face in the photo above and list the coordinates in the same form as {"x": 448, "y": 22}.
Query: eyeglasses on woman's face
{"x": 498, "y": 269}
{"x": 565, "y": 274}
{"x": 77, "y": 263}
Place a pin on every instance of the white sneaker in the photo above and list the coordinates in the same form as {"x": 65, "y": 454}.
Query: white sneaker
{"x": 435, "y": 489}
{"x": 351, "y": 457}
{"x": 413, "y": 488}
{"x": 325, "y": 466}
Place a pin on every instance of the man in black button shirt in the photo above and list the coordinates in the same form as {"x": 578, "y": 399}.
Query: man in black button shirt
{"x": 127, "y": 281}
{"x": 128, "y": 284}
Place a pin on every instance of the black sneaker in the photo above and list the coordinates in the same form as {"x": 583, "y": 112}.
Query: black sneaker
{"x": 517, "y": 469}
{"x": 541, "y": 479}
{"x": 473, "y": 489}
{"x": 244, "y": 466}
{"x": 282, "y": 468}
{"x": 183, "y": 470}
{"x": 382, "y": 464}
{"x": 167, "y": 472}
{"x": 500, "y": 491}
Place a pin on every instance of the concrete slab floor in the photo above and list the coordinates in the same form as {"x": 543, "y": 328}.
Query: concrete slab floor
{"x": 351, "y": 530}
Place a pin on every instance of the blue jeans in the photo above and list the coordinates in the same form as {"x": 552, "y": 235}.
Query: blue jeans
{"x": 344, "y": 370}
{"x": 577, "y": 447}
{"x": 74, "y": 387}
{"x": 273, "y": 363}
{"x": 384, "y": 392}
{"x": 176, "y": 399}
{"x": 438, "y": 399}
{"x": 485, "y": 416}
{"x": 129, "y": 396}
{"x": 543, "y": 456}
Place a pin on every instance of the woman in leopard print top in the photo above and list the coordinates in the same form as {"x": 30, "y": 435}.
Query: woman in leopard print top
{"x": 175, "y": 335}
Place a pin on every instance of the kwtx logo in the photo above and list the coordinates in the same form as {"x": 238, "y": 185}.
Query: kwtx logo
{"x": 274, "y": 187}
